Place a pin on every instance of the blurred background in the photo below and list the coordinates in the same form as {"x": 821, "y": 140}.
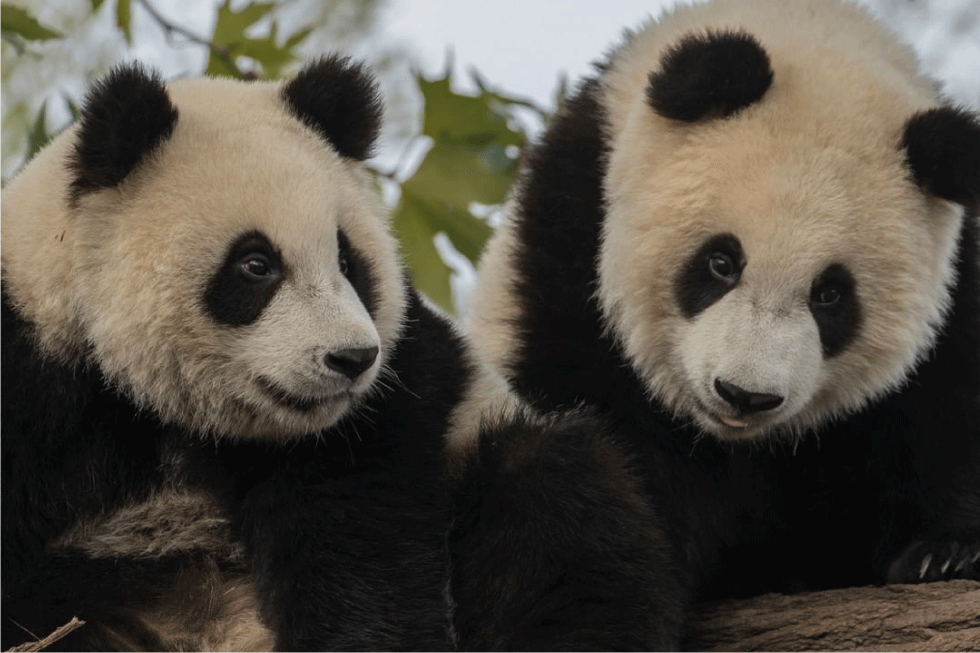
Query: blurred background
{"x": 466, "y": 84}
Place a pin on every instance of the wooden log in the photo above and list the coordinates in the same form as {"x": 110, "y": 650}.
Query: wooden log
{"x": 942, "y": 616}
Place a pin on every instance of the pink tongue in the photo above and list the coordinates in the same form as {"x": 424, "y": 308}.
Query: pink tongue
{"x": 734, "y": 423}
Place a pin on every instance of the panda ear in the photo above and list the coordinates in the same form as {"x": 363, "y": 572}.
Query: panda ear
{"x": 125, "y": 116}
{"x": 710, "y": 75}
{"x": 339, "y": 99}
{"x": 943, "y": 150}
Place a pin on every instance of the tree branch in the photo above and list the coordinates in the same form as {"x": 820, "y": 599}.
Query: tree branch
{"x": 170, "y": 28}
{"x": 941, "y": 616}
{"x": 42, "y": 644}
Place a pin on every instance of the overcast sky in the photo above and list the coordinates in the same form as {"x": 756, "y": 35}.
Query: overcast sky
{"x": 522, "y": 45}
{"x": 519, "y": 46}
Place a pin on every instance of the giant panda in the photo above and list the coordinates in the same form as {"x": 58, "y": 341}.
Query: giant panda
{"x": 750, "y": 240}
{"x": 230, "y": 423}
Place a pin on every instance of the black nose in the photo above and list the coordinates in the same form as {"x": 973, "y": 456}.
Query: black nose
{"x": 746, "y": 402}
{"x": 351, "y": 362}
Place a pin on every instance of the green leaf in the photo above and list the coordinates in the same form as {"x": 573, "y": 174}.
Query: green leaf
{"x": 458, "y": 174}
{"x": 469, "y": 234}
{"x": 72, "y": 108}
{"x": 96, "y": 4}
{"x": 21, "y": 22}
{"x": 272, "y": 57}
{"x": 124, "y": 19}
{"x": 413, "y": 225}
{"x": 297, "y": 38}
{"x": 468, "y": 162}
{"x": 230, "y": 25}
{"x": 435, "y": 200}
{"x": 229, "y": 36}
{"x": 219, "y": 67}
{"x": 478, "y": 120}
{"x": 38, "y": 136}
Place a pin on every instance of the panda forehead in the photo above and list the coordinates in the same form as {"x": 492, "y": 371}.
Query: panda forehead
{"x": 795, "y": 208}
{"x": 749, "y": 175}
{"x": 215, "y": 181}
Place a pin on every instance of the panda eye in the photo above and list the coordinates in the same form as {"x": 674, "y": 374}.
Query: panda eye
{"x": 826, "y": 295}
{"x": 256, "y": 267}
{"x": 721, "y": 266}
{"x": 346, "y": 260}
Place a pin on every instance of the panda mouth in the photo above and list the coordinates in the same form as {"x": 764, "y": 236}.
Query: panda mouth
{"x": 735, "y": 423}
{"x": 293, "y": 401}
{"x": 732, "y": 422}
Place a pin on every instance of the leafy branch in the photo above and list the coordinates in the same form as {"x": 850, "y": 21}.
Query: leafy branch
{"x": 471, "y": 142}
{"x": 171, "y": 29}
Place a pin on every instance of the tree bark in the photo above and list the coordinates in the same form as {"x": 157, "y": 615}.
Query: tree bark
{"x": 942, "y": 616}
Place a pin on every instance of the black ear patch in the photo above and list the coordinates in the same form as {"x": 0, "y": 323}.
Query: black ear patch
{"x": 709, "y": 75}
{"x": 943, "y": 150}
{"x": 339, "y": 99}
{"x": 125, "y": 116}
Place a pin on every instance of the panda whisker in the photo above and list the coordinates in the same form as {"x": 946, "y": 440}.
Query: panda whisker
{"x": 36, "y": 638}
{"x": 357, "y": 434}
{"x": 398, "y": 382}
{"x": 382, "y": 384}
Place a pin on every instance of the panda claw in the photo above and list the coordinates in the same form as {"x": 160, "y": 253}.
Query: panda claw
{"x": 925, "y": 565}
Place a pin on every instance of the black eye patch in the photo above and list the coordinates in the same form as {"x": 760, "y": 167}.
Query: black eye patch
{"x": 835, "y": 308}
{"x": 246, "y": 282}
{"x": 709, "y": 274}
{"x": 354, "y": 265}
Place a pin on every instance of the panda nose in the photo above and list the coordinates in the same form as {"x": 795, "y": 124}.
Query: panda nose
{"x": 746, "y": 402}
{"x": 351, "y": 362}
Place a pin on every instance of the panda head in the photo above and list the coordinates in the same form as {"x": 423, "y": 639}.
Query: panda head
{"x": 782, "y": 222}
{"x": 214, "y": 247}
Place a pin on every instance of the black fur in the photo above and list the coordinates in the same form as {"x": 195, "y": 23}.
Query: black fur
{"x": 357, "y": 269}
{"x": 338, "y": 99}
{"x": 943, "y": 150}
{"x": 125, "y": 117}
{"x": 840, "y": 321}
{"x": 872, "y": 496}
{"x": 110, "y": 594}
{"x": 710, "y": 75}
{"x": 555, "y": 547}
{"x": 345, "y": 534}
{"x": 562, "y": 231}
{"x": 236, "y": 295}
{"x": 356, "y": 520}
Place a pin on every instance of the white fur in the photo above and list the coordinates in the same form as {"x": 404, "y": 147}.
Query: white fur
{"x": 125, "y": 272}
{"x": 492, "y": 307}
{"x": 810, "y": 175}
{"x": 488, "y": 398}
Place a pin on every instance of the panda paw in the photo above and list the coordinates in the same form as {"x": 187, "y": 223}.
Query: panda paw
{"x": 945, "y": 559}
